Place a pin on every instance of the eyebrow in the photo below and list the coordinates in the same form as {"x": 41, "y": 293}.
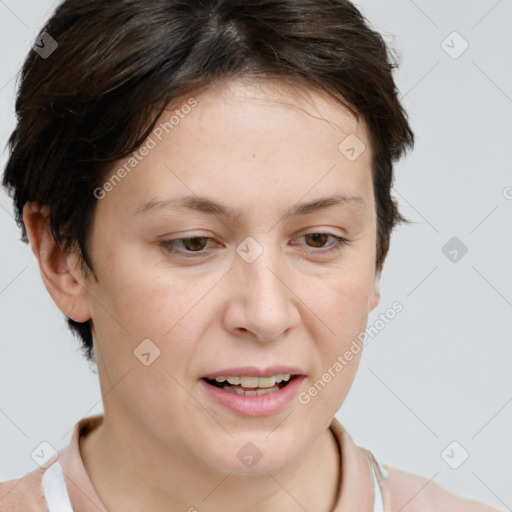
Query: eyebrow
{"x": 209, "y": 206}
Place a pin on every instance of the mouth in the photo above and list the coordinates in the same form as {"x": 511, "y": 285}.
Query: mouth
{"x": 252, "y": 385}
{"x": 252, "y": 391}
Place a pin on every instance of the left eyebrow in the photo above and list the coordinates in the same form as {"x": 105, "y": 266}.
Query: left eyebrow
{"x": 211, "y": 207}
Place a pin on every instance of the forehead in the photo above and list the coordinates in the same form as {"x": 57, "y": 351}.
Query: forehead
{"x": 252, "y": 143}
{"x": 275, "y": 103}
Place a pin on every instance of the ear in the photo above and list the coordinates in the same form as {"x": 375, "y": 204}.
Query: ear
{"x": 59, "y": 269}
{"x": 375, "y": 296}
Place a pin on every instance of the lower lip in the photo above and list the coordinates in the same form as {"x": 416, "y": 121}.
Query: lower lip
{"x": 262, "y": 405}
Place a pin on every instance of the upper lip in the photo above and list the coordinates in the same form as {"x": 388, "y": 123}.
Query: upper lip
{"x": 253, "y": 371}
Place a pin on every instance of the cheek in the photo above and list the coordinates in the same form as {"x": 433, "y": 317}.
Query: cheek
{"x": 139, "y": 299}
{"x": 344, "y": 306}
{"x": 346, "y": 297}
{"x": 142, "y": 317}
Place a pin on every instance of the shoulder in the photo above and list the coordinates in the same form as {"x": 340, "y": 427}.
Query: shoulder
{"x": 23, "y": 494}
{"x": 400, "y": 490}
{"x": 26, "y": 494}
{"x": 414, "y": 493}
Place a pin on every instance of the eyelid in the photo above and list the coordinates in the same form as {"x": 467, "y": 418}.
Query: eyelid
{"x": 169, "y": 246}
{"x": 339, "y": 243}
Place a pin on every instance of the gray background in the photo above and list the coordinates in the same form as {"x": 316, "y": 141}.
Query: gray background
{"x": 440, "y": 371}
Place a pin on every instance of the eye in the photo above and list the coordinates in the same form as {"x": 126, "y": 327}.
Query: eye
{"x": 193, "y": 245}
{"x": 319, "y": 240}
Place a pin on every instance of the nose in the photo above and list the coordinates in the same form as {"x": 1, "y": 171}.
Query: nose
{"x": 262, "y": 303}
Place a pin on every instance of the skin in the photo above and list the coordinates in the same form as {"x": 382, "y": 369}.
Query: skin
{"x": 261, "y": 147}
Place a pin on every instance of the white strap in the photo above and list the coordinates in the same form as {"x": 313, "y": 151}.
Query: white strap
{"x": 378, "y": 504}
{"x": 55, "y": 491}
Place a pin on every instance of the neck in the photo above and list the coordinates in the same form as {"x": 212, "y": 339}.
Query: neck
{"x": 118, "y": 464}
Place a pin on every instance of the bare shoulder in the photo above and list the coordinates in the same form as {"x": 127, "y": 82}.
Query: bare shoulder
{"x": 414, "y": 493}
{"x": 23, "y": 494}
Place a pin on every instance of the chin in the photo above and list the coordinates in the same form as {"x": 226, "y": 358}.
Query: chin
{"x": 255, "y": 456}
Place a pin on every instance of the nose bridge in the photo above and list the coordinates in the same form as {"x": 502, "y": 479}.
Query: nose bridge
{"x": 261, "y": 264}
{"x": 267, "y": 300}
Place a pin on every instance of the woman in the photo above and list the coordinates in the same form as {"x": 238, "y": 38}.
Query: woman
{"x": 206, "y": 187}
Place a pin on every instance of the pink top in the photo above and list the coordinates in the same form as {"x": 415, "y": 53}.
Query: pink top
{"x": 365, "y": 485}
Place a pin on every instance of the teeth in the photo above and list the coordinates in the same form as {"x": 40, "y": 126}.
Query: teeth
{"x": 266, "y": 382}
{"x": 255, "y": 382}
{"x": 267, "y": 391}
{"x": 249, "y": 382}
{"x": 251, "y": 392}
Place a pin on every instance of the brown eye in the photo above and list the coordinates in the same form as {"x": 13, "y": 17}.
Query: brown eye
{"x": 189, "y": 246}
{"x": 319, "y": 240}
{"x": 195, "y": 244}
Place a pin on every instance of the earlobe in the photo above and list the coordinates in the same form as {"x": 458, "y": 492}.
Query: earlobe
{"x": 58, "y": 268}
{"x": 375, "y": 296}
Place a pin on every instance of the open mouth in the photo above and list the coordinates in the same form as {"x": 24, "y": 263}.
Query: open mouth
{"x": 252, "y": 386}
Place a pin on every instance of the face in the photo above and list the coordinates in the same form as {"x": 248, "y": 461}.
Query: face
{"x": 241, "y": 280}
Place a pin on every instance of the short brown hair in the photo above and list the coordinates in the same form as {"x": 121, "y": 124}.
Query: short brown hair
{"x": 118, "y": 64}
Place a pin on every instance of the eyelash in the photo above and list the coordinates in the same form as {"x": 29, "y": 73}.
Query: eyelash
{"x": 170, "y": 245}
